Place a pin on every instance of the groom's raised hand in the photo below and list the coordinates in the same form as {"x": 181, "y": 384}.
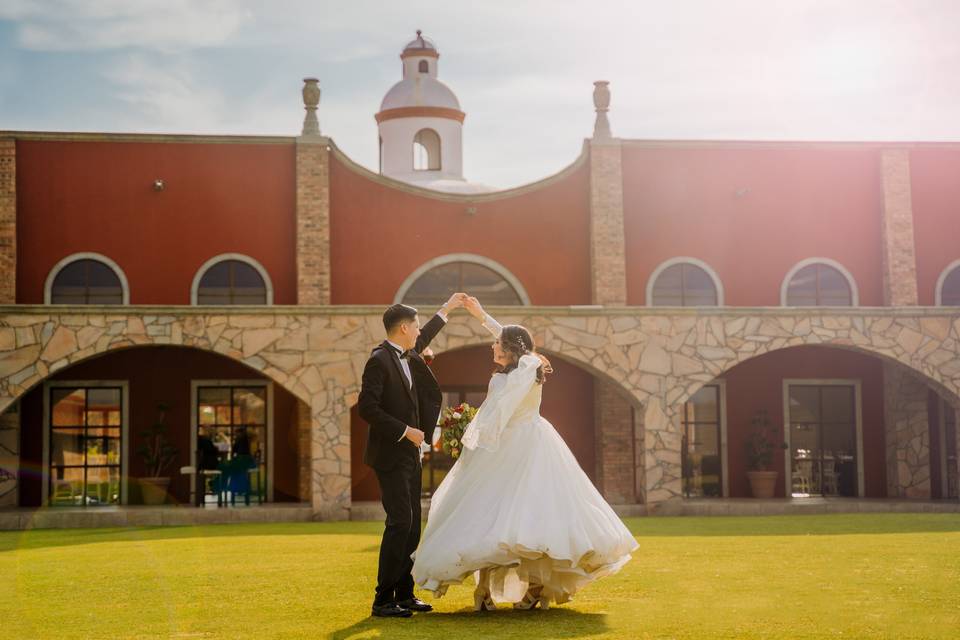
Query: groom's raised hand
{"x": 455, "y": 302}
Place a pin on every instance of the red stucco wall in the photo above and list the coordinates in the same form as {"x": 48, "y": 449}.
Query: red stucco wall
{"x": 99, "y": 197}
{"x": 935, "y": 191}
{"x": 751, "y": 213}
{"x": 379, "y": 235}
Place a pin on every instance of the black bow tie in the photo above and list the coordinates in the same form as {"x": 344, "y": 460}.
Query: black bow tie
{"x": 405, "y": 355}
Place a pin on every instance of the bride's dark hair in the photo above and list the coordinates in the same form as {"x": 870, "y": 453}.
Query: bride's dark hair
{"x": 516, "y": 341}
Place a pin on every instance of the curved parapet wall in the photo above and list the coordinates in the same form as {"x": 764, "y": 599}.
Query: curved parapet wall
{"x": 382, "y": 230}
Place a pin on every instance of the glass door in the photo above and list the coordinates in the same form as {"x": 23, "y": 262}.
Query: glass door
{"x": 232, "y": 439}
{"x": 823, "y": 440}
{"x": 85, "y": 446}
{"x": 702, "y": 460}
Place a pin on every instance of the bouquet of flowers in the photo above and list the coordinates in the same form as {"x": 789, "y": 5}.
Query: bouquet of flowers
{"x": 453, "y": 422}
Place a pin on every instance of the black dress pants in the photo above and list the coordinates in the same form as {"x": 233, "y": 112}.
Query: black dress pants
{"x": 400, "y": 494}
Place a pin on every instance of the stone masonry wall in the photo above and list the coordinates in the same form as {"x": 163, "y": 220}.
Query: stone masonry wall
{"x": 907, "y": 431}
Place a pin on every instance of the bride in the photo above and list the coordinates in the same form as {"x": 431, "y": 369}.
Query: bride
{"x": 516, "y": 508}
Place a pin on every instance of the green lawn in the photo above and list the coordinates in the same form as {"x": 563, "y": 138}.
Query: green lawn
{"x": 850, "y": 576}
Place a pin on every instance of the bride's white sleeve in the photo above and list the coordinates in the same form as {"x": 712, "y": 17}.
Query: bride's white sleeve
{"x": 504, "y": 395}
{"x": 491, "y": 325}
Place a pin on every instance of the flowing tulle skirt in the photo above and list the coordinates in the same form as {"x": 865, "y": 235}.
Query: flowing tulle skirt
{"x": 528, "y": 514}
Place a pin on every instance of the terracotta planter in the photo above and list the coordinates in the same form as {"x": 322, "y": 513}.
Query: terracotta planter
{"x": 154, "y": 490}
{"x": 762, "y": 483}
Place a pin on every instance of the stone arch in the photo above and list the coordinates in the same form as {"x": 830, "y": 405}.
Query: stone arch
{"x": 690, "y": 351}
{"x": 318, "y": 359}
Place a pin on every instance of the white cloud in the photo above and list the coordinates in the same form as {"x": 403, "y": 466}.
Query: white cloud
{"x": 86, "y": 25}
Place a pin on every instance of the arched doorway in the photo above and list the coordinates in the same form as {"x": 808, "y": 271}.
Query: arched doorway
{"x": 83, "y": 428}
{"x": 846, "y": 424}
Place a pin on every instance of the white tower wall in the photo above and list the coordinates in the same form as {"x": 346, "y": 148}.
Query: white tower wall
{"x": 397, "y": 148}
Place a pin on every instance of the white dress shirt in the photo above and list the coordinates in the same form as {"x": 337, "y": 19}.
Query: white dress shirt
{"x": 405, "y": 365}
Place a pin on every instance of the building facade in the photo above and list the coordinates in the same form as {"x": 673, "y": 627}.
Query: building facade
{"x": 689, "y": 293}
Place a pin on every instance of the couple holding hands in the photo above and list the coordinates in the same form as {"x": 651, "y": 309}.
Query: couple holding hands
{"x": 516, "y": 510}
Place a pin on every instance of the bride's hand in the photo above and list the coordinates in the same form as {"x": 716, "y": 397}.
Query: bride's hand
{"x": 472, "y": 305}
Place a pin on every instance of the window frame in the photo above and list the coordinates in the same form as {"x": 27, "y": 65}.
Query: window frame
{"x": 86, "y": 255}
{"x": 942, "y": 280}
{"x": 792, "y": 272}
{"x": 666, "y": 264}
{"x": 196, "y": 385}
{"x": 856, "y": 383}
{"x": 439, "y": 261}
{"x": 124, "y": 387}
{"x": 239, "y": 257}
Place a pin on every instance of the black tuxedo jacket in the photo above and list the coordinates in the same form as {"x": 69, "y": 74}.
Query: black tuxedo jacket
{"x": 389, "y": 406}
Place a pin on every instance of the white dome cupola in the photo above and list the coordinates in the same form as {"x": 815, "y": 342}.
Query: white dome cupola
{"x": 421, "y": 125}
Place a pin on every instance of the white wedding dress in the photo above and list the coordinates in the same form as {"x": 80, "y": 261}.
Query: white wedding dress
{"x": 517, "y": 504}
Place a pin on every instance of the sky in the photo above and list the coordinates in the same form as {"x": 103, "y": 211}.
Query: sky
{"x": 522, "y": 70}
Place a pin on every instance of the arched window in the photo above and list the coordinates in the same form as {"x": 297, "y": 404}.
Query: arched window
{"x": 818, "y": 282}
{"x": 684, "y": 282}
{"x": 434, "y": 282}
{"x": 231, "y": 279}
{"x": 948, "y": 286}
{"x": 426, "y": 151}
{"x": 423, "y": 67}
{"x": 86, "y": 278}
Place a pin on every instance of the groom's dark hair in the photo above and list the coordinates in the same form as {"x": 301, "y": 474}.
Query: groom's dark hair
{"x": 397, "y": 313}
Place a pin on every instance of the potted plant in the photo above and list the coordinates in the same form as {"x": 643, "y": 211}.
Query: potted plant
{"x": 758, "y": 451}
{"x": 157, "y": 454}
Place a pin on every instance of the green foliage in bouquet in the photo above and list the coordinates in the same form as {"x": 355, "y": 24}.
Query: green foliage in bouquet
{"x": 453, "y": 422}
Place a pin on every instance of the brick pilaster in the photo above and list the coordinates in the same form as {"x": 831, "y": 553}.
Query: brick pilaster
{"x": 8, "y": 221}
{"x": 616, "y": 444}
{"x": 304, "y": 421}
{"x": 608, "y": 277}
{"x": 896, "y": 229}
{"x": 313, "y": 220}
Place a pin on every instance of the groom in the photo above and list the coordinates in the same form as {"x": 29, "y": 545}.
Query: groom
{"x": 400, "y": 400}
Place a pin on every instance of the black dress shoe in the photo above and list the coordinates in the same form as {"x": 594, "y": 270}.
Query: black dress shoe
{"x": 390, "y": 610}
{"x": 415, "y": 604}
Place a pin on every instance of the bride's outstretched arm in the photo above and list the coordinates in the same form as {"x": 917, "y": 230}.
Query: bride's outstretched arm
{"x": 489, "y": 323}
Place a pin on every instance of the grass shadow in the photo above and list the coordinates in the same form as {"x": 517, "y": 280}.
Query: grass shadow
{"x": 41, "y": 538}
{"x": 503, "y": 623}
{"x": 795, "y": 525}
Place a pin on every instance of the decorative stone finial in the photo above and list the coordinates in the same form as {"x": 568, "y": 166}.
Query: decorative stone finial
{"x": 601, "y": 102}
{"x": 311, "y": 99}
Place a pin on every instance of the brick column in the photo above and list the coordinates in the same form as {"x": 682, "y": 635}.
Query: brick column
{"x": 9, "y": 456}
{"x": 608, "y": 277}
{"x": 896, "y": 229}
{"x": 304, "y": 421}
{"x": 313, "y": 220}
{"x": 8, "y": 221}
{"x": 613, "y": 424}
{"x": 907, "y": 434}
{"x": 616, "y": 456}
